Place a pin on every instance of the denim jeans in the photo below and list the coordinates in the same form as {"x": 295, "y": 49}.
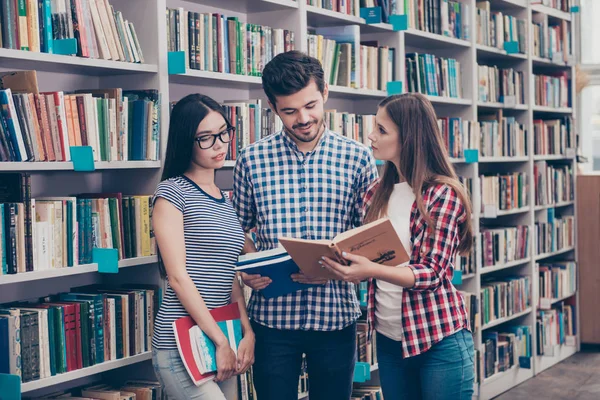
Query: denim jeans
{"x": 330, "y": 359}
{"x": 178, "y": 385}
{"x": 444, "y": 372}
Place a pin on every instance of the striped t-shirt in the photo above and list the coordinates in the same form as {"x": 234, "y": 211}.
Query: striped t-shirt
{"x": 213, "y": 241}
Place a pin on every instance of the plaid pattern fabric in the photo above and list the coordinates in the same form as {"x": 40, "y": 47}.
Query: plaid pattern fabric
{"x": 280, "y": 191}
{"x": 432, "y": 309}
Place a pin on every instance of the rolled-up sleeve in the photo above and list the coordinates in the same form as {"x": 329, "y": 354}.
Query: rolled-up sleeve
{"x": 243, "y": 195}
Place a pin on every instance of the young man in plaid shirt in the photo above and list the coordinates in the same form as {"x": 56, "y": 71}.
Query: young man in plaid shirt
{"x": 306, "y": 182}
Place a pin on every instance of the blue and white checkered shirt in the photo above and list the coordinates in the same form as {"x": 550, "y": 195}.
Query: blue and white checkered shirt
{"x": 281, "y": 191}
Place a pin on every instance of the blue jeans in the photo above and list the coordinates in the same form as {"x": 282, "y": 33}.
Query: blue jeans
{"x": 444, "y": 372}
{"x": 178, "y": 385}
{"x": 330, "y": 359}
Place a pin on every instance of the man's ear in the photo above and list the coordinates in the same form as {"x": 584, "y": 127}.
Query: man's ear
{"x": 325, "y": 92}
{"x": 273, "y": 108}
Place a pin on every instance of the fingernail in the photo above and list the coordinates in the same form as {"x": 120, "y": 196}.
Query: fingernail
{"x": 344, "y": 254}
{"x": 323, "y": 257}
{"x": 321, "y": 262}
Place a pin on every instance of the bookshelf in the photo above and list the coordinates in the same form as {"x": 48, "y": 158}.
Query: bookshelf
{"x": 57, "y": 72}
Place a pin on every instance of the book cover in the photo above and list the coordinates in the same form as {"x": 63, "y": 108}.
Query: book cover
{"x": 205, "y": 352}
{"x": 377, "y": 241}
{"x": 181, "y": 329}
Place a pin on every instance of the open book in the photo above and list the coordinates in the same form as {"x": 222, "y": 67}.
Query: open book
{"x": 377, "y": 241}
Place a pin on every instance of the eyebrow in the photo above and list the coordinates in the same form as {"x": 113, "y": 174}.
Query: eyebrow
{"x": 293, "y": 109}
{"x": 207, "y": 132}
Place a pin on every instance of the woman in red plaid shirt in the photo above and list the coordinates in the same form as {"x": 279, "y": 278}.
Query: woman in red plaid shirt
{"x": 424, "y": 344}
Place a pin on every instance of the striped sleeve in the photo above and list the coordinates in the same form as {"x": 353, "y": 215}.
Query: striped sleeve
{"x": 172, "y": 192}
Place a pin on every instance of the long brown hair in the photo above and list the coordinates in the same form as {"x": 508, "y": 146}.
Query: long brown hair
{"x": 424, "y": 161}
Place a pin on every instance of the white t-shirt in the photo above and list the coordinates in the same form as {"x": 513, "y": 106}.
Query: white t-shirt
{"x": 388, "y": 311}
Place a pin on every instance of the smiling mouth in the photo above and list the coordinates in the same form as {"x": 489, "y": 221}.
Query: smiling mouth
{"x": 306, "y": 128}
{"x": 219, "y": 157}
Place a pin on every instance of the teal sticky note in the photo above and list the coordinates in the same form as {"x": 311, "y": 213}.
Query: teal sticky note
{"x": 10, "y": 387}
{"x": 511, "y": 47}
{"x": 371, "y": 15}
{"x": 399, "y": 22}
{"x": 574, "y": 9}
{"x": 176, "y": 61}
{"x": 107, "y": 260}
{"x": 471, "y": 156}
{"x": 394, "y": 87}
{"x": 457, "y": 278}
{"x": 83, "y": 158}
{"x": 362, "y": 372}
{"x": 379, "y": 162}
{"x": 64, "y": 46}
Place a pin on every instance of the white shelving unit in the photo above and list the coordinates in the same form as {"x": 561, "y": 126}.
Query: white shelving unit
{"x": 69, "y": 73}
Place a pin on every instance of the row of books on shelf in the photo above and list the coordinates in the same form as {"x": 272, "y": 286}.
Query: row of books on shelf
{"x": 99, "y": 31}
{"x": 351, "y": 7}
{"x": 553, "y": 183}
{"x": 433, "y": 76}
{"x": 553, "y": 137}
{"x": 561, "y": 5}
{"x": 335, "y": 48}
{"x": 353, "y": 126}
{"x": 552, "y": 40}
{"x": 503, "y": 350}
{"x": 118, "y": 125}
{"x": 557, "y": 280}
{"x": 495, "y": 28}
{"x": 502, "y": 136}
{"x": 501, "y": 85}
{"x": 366, "y": 392}
{"x": 504, "y": 192}
{"x": 131, "y": 389}
{"x": 500, "y": 246}
{"x": 554, "y": 234}
{"x": 69, "y": 331}
{"x": 555, "y": 327}
{"x": 553, "y": 90}
{"x": 44, "y": 233}
{"x": 503, "y": 297}
{"x": 442, "y": 17}
{"x": 217, "y": 43}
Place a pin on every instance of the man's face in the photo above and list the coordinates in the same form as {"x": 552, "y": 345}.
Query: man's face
{"x": 302, "y": 113}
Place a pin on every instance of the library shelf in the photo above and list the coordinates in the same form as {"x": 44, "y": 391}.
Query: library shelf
{"x": 546, "y": 62}
{"x": 511, "y": 264}
{"x": 251, "y": 6}
{"x": 551, "y": 301}
{"x": 512, "y": 211}
{"x": 70, "y": 271}
{"x": 417, "y": 38}
{"x": 321, "y": 17}
{"x": 34, "y": 166}
{"x": 553, "y": 110}
{"x": 22, "y": 59}
{"x": 503, "y": 381}
{"x": 460, "y": 160}
{"x": 501, "y": 321}
{"x": 498, "y": 106}
{"x": 554, "y": 253}
{"x": 449, "y": 100}
{"x": 468, "y": 276}
{"x": 561, "y": 353}
{"x": 555, "y": 205}
{"x": 551, "y": 12}
{"x": 511, "y": 3}
{"x": 348, "y": 92}
{"x": 502, "y": 159}
{"x": 194, "y": 76}
{"x": 494, "y": 54}
{"x": 552, "y": 157}
{"x": 84, "y": 372}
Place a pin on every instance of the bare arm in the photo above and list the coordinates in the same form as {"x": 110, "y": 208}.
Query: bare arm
{"x": 167, "y": 223}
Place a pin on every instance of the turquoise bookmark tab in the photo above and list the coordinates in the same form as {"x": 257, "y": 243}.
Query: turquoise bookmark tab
{"x": 511, "y": 47}
{"x": 83, "y": 158}
{"x": 471, "y": 156}
{"x": 394, "y": 87}
{"x": 371, "y": 15}
{"x": 574, "y": 9}
{"x": 10, "y": 387}
{"x": 362, "y": 372}
{"x": 457, "y": 278}
{"x": 107, "y": 260}
{"x": 399, "y": 22}
{"x": 176, "y": 61}
{"x": 64, "y": 46}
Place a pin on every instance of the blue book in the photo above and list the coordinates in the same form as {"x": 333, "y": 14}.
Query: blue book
{"x": 205, "y": 352}
{"x": 277, "y": 265}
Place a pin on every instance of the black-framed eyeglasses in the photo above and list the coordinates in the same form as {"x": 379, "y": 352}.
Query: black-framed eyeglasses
{"x": 207, "y": 141}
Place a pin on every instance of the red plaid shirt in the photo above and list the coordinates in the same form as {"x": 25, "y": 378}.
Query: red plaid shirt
{"x": 432, "y": 309}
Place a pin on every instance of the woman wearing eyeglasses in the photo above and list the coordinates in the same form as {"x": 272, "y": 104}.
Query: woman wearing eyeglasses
{"x": 199, "y": 240}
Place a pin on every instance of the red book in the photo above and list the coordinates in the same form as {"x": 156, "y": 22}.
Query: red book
{"x": 181, "y": 329}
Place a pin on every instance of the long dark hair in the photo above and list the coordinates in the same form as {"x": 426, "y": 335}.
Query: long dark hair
{"x": 424, "y": 161}
{"x": 186, "y": 115}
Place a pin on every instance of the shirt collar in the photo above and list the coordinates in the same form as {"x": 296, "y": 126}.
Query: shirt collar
{"x": 289, "y": 142}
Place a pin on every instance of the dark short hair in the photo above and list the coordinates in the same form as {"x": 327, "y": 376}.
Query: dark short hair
{"x": 290, "y": 72}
